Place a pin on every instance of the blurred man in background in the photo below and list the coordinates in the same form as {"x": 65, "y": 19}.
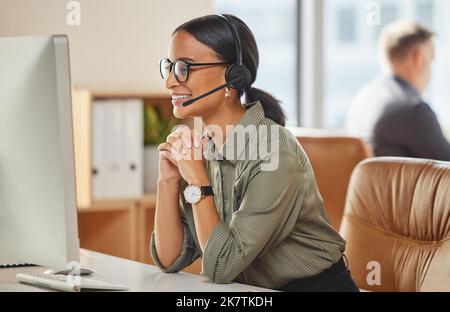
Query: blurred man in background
{"x": 390, "y": 110}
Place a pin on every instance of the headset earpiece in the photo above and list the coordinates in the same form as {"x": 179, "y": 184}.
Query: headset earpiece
{"x": 238, "y": 76}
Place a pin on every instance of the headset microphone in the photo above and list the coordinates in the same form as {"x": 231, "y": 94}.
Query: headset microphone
{"x": 192, "y": 101}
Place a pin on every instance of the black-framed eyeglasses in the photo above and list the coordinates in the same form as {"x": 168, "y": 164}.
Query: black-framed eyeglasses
{"x": 181, "y": 68}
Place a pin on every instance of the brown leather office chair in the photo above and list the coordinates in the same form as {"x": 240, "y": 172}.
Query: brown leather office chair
{"x": 398, "y": 214}
{"x": 333, "y": 160}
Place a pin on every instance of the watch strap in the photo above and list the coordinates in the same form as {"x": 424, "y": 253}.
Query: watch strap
{"x": 207, "y": 190}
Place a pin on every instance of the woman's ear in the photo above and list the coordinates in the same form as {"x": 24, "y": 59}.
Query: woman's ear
{"x": 418, "y": 58}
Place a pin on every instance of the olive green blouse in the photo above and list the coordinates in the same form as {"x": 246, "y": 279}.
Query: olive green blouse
{"x": 273, "y": 226}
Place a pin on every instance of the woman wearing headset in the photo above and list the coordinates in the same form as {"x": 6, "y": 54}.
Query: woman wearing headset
{"x": 250, "y": 224}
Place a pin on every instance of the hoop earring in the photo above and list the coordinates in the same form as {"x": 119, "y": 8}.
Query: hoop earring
{"x": 227, "y": 92}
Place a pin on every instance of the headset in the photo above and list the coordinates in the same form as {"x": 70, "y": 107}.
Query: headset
{"x": 237, "y": 76}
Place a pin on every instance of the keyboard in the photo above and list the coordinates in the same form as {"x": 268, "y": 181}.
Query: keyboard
{"x": 70, "y": 283}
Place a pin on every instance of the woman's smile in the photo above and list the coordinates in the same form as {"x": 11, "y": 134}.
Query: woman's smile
{"x": 179, "y": 99}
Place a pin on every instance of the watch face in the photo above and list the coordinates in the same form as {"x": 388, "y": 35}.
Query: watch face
{"x": 192, "y": 194}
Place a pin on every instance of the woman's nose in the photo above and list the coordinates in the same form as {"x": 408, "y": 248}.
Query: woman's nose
{"x": 171, "y": 81}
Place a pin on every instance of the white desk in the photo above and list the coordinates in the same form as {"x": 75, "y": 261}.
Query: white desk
{"x": 137, "y": 276}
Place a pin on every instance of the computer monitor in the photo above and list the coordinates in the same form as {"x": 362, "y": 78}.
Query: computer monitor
{"x": 38, "y": 217}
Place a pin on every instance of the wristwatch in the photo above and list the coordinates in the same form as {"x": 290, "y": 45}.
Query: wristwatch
{"x": 194, "y": 193}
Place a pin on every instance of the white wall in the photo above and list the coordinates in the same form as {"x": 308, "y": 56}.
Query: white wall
{"x": 119, "y": 42}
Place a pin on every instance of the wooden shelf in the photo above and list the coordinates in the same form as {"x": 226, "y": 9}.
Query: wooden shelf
{"x": 82, "y": 110}
{"x": 147, "y": 201}
{"x": 122, "y": 228}
{"x": 106, "y": 224}
{"x": 109, "y": 205}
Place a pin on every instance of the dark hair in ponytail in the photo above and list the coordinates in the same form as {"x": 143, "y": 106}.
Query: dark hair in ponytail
{"x": 214, "y": 32}
{"x": 272, "y": 107}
